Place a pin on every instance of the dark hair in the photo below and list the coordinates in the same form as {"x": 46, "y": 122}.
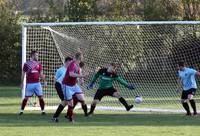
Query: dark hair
{"x": 78, "y": 55}
{"x": 181, "y": 64}
{"x": 81, "y": 64}
{"x": 68, "y": 59}
{"x": 113, "y": 64}
{"x": 33, "y": 52}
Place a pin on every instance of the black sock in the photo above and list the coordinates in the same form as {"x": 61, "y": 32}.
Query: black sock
{"x": 92, "y": 109}
{"x": 84, "y": 107}
{"x": 186, "y": 107}
{"x": 123, "y": 101}
{"x": 193, "y": 104}
{"x": 58, "y": 111}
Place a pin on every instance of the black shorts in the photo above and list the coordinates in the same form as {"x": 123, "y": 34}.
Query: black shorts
{"x": 185, "y": 93}
{"x": 104, "y": 92}
{"x": 58, "y": 87}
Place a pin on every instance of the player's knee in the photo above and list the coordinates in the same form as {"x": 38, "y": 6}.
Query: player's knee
{"x": 82, "y": 102}
{"x": 95, "y": 102}
{"x": 64, "y": 103}
{"x": 117, "y": 94}
{"x": 190, "y": 97}
{"x": 26, "y": 98}
{"x": 40, "y": 97}
{"x": 80, "y": 97}
{"x": 70, "y": 103}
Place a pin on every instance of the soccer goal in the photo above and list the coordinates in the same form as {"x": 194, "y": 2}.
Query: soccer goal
{"x": 146, "y": 54}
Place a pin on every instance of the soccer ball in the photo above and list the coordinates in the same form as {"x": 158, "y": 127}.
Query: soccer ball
{"x": 138, "y": 99}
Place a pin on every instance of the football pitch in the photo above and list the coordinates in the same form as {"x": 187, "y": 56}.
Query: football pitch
{"x": 103, "y": 123}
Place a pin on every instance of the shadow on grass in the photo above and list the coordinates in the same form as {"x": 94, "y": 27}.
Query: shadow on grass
{"x": 111, "y": 119}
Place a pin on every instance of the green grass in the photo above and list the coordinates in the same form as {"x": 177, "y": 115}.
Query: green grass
{"x": 103, "y": 123}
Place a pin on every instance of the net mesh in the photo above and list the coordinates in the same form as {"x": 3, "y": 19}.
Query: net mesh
{"x": 146, "y": 55}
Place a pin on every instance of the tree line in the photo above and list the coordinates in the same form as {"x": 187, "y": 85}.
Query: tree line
{"x": 14, "y": 12}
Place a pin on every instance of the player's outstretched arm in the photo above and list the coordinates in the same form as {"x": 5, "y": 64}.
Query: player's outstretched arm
{"x": 125, "y": 83}
{"x": 95, "y": 77}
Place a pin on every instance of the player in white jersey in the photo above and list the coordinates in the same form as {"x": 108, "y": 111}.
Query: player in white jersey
{"x": 188, "y": 85}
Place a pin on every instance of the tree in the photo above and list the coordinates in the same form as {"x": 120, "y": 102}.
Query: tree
{"x": 191, "y": 9}
{"x": 10, "y": 36}
{"x": 80, "y": 10}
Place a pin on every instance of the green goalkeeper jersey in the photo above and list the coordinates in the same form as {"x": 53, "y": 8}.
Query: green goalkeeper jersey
{"x": 106, "y": 79}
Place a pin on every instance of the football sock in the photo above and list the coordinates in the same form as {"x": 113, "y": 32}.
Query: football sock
{"x": 84, "y": 107}
{"x": 186, "y": 107}
{"x": 23, "y": 104}
{"x": 193, "y": 104}
{"x": 58, "y": 111}
{"x": 42, "y": 104}
{"x": 70, "y": 113}
{"x": 92, "y": 109}
{"x": 123, "y": 101}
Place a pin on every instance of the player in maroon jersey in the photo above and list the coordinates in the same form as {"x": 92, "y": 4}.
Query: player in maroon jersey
{"x": 33, "y": 71}
{"x": 70, "y": 86}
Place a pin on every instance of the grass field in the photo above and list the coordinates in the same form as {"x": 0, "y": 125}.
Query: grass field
{"x": 103, "y": 123}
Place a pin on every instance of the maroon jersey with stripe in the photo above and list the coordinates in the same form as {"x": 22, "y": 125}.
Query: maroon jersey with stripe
{"x": 32, "y": 70}
{"x": 72, "y": 67}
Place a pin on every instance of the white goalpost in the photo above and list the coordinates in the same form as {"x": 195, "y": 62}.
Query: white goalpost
{"x": 146, "y": 54}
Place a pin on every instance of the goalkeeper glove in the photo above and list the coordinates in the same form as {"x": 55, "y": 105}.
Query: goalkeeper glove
{"x": 90, "y": 86}
{"x": 131, "y": 86}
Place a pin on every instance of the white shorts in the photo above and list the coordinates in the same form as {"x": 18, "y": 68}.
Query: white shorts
{"x": 69, "y": 91}
{"x": 33, "y": 88}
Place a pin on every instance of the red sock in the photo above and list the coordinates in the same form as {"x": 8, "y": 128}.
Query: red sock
{"x": 24, "y": 104}
{"x": 70, "y": 113}
{"x": 41, "y": 104}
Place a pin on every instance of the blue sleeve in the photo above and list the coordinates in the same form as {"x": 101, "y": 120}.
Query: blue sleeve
{"x": 192, "y": 71}
{"x": 58, "y": 73}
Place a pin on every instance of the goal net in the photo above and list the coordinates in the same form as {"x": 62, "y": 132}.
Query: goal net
{"x": 146, "y": 54}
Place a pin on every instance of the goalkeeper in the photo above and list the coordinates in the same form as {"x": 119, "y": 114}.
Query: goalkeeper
{"x": 106, "y": 77}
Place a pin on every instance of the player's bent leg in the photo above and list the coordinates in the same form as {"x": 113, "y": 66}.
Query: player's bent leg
{"x": 29, "y": 91}
{"x": 122, "y": 100}
{"x": 58, "y": 87}
{"x": 192, "y": 103}
{"x": 24, "y": 102}
{"x": 60, "y": 108}
{"x": 93, "y": 106}
{"x": 42, "y": 104}
{"x": 81, "y": 99}
{"x": 75, "y": 101}
{"x": 186, "y": 106}
{"x": 70, "y": 110}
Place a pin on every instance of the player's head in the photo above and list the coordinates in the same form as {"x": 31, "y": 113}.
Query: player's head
{"x": 34, "y": 55}
{"x": 67, "y": 60}
{"x": 112, "y": 67}
{"x": 81, "y": 64}
{"x": 78, "y": 56}
{"x": 181, "y": 65}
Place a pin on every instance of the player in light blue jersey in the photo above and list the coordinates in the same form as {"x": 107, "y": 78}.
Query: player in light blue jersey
{"x": 188, "y": 85}
{"x": 60, "y": 74}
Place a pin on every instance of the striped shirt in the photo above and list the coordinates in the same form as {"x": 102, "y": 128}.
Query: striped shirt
{"x": 32, "y": 70}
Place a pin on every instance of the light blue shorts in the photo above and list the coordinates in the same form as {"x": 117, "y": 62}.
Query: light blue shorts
{"x": 33, "y": 88}
{"x": 69, "y": 91}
